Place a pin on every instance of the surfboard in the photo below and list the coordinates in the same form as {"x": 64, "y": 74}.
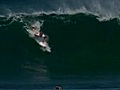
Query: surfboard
{"x": 45, "y": 46}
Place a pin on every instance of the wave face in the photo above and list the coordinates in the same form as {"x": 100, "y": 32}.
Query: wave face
{"x": 84, "y": 51}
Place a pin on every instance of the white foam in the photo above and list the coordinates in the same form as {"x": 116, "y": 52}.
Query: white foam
{"x": 104, "y": 11}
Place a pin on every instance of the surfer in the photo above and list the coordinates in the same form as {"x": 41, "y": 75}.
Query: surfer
{"x": 39, "y": 34}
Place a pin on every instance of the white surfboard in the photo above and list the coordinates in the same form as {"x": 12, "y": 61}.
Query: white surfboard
{"x": 45, "y": 46}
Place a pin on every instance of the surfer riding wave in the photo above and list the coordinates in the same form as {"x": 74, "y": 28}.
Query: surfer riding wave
{"x": 41, "y": 38}
{"x": 39, "y": 34}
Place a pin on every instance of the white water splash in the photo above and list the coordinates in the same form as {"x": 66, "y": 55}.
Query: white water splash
{"x": 104, "y": 9}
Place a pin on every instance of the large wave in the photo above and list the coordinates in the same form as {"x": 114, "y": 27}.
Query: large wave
{"x": 81, "y": 45}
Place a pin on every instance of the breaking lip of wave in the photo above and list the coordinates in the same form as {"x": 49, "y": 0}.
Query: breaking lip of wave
{"x": 61, "y": 11}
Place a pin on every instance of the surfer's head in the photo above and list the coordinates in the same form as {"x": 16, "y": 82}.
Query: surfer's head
{"x": 33, "y": 27}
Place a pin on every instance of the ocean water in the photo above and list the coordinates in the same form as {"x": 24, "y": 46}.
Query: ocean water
{"x": 84, "y": 37}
